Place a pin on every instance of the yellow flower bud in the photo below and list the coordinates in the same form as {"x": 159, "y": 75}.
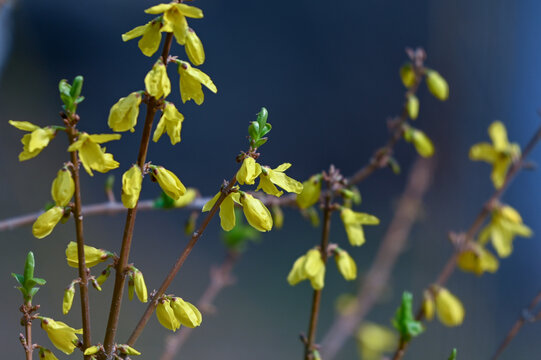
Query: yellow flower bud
{"x": 186, "y": 313}
{"x": 46, "y": 354}
{"x": 437, "y": 85}
{"x": 63, "y": 187}
{"x": 248, "y": 172}
{"x": 191, "y": 80}
{"x": 407, "y": 75}
{"x": 140, "y": 286}
{"x": 92, "y": 350}
{"x": 375, "y": 340}
{"x": 297, "y": 273}
{"x": 61, "y": 335}
{"x": 46, "y": 222}
{"x": 93, "y": 256}
{"x": 156, "y": 81}
{"x": 428, "y": 305}
{"x": 271, "y": 177}
{"x": 449, "y": 308}
{"x": 256, "y": 213}
{"x": 186, "y": 199}
{"x": 313, "y": 263}
{"x": 412, "y": 106}
{"x": 34, "y": 142}
{"x": 169, "y": 182}
{"x": 353, "y": 222}
{"x": 128, "y": 350}
{"x": 166, "y": 315}
{"x": 103, "y": 276}
{"x": 346, "y": 265}
{"x": 131, "y": 186}
{"x": 170, "y": 122}
{"x": 123, "y": 115}
{"x": 69, "y": 293}
{"x": 150, "y": 37}
{"x": 477, "y": 260}
{"x": 311, "y": 192}
{"x": 194, "y": 48}
{"x": 92, "y": 155}
{"x": 422, "y": 143}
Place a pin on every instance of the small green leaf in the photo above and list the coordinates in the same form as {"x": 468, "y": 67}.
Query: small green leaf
{"x": 253, "y": 130}
{"x": 109, "y": 182}
{"x": 79, "y": 100}
{"x": 453, "y": 355}
{"x": 265, "y": 130}
{"x": 164, "y": 202}
{"x": 64, "y": 88}
{"x": 394, "y": 165}
{"x": 76, "y": 87}
{"x": 260, "y": 142}
{"x": 29, "y": 266}
{"x": 33, "y": 292}
{"x": 262, "y": 117}
{"x": 19, "y": 278}
{"x": 404, "y": 321}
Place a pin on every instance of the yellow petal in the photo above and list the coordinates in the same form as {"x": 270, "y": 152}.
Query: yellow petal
{"x": 210, "y": 204}
{"x": 346, "y": 265}
{"x": 158, "y": 9}
{"x": 131, "y": 186}
{"x": 169, "y": 182}
{"x": 498, "y": 135}
{"x": 123, "y": 115}
{"x": 227, "y": 213}
{"x": 151, "y": 39}
{"x": 190, "y": 83}
{"x": 186, "y": 313}
{"x": 61, "y": 335}
{"x": 166, "y": 315}
{"x": 248, "y": 172}
{"x": 46, "y": 222}
{"x": 186, "y": 199}
{"x": 135, "y": 32}
{"x": 170, "y": 121}
{"x": 194, "y": 48}
{"x": 256, "y": 213}
{"x": 449, "y": 308}
{"x": 157, "y": 82}
{"x": 478, "y": 260}
{"x": 285, "y": 182}
{"x": 311, "y": 192}
{"x": 23, "y": 125}
{"x": 297, "y": 273}
{"x": 140, "y": 286}
{"x": 483, "y": 152}
{"x": 40, "y": 138}
{"x": 63, "y": 187}
{"x": 93, "y": 256}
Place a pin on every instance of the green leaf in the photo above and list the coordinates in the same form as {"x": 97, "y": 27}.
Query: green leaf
{"x": 262, "y": 117}
{"x": 76, "y": 88}
{"x": 30, "y": 283}
{"x": 33, "y": 292}
{"x": 79, "y": 100}
{"x": 253, "y": 130}
{"x": 260, "y": 142}
{"x": 19, "y": 278}
{"x": 64, "y": 88}
{"x": 164, "y": 202}
{"x": 237, "y": 238}
{"x": 265, "y": 130}
{"x": 29, "y": 266}
{"x": 404, "y": 321}
{"x": 453, "y": 355}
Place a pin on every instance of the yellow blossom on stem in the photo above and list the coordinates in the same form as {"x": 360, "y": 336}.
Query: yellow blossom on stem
{"x": 93, "y": 256}
{"x": 169, "y": 182}
{"x": 428, "y": 306}
{"x": 437, "y": 85}
{"x": 174, "y": 15}
{"x": 62, "y": 336}
{"x": 407, "y": 75}
{"x": 127, "y": 350}
{"x": 140, "y": 286}
{"x": 157, "y": 82}
{"x": 166, "y": 315}
{"x": 421, "y": 142}
{"x": 92, "y": 155}
{"x": 227, "y": 209}
{"x": 346, "y": 265}
{"x": 308, "y": 267}
{"x": 374, "y": 340}
{"x": 92, "y": 350}
{"x": 170, "y": 122}
{"x": 46, "y": 222}
{"x": 449, "y": 309}
{"x": 186, "y": 313}
{"x": 311, "y": 191}
{"x": 269, "y": 178}
{"x": 150, "y": 36}
{"x": 501, "y": 153}
{"x": 63, "y": 187}
{"x": 353, "y": 222}
{"x": 257, "y": 214}
{"x": 191, "y": 80}
{"x": 131, "y": 186}
{"x": 34, "y": 142}
{"x": 123, "y": 115}
{"x": 46, "y": 354}
{"x": 412, "y": 106}
{"x": 248, "y": 172}
{"x": 186, "y": 199}
{"x": 477, "y": 260}
{"x": 67, "y": 301}
{"x": 194, "y": 48}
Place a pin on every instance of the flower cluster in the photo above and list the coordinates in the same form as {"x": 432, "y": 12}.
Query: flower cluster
{"x": 172, "y": 312}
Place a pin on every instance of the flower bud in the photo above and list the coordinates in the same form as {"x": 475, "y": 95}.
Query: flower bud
{"x": 63, "y": 187}
{"x": 437, "y": 85}
{"x": 412, "y": 106}
{"x": 346, "y": 265}
{"x": 248, "y": 172}
{"x": 46, "y": 354}
{"x": 69, "y": 293}
{"x": 169, "y": 182}
{"x": 103, "y": 276}
{"x": 311, "y": 192}
{"x": 186, "y": 313}
{"x": 92, "y": 350}
{"x": 428, "y": 305}
{"x": 93, "y": 256}
{"x": 131, "y": 186}
{"x": 407, "y": 75}
{"x": 194, "y": 48}
{"x": 422, "y": 143}
{"x": 46, "y": 222}
{"x": 140, "y": 286}
{"x": 256, "y": 213}
{"x": 166, "y": 315}
{"x": 156, "y": 81}
{"x": 123, "y": 115}
{"x": 449, "y": 308}
{"x": 127, "y": 350}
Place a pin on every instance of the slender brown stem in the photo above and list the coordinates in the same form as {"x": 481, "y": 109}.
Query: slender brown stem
{"x": 316, "y": 298}
{"x": 178, "y": 264}
{"x": 28, "y": 347}
{"x": 78, "y": 217}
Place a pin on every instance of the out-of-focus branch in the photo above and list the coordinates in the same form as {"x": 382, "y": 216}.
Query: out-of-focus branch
{"x": 391, "y": 246}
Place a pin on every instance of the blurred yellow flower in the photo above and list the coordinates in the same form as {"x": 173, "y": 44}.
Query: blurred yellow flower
{"x": 346, "y": 265}
{"x": 429, "y": 308}
{"x": 191, "y": 80}
{"x": 140, "y": 286}
{"x": 131, "y": 186}
{"x": 477, "y": 260}
{"x": 308, "y": 267}
{"x": 449, "y": 309}
{"x": 46, "y": 222}
{"x": 34, "y": 142}
{"x": 61, "y": 335}
{"x": 186, "y": 199}
{"x": 170, "y": 122}
{"x": 437, "y": 85}
{"x": 421, "y": 142}
{"x": 157, "y": 82}
{"x": 150, "y": 37}
{"x": 353, "y": 222}
{"x": 374, "y": 340}
{"x": 311, "y": 191}
{"x": 63, "y": 187}
{"x": 123, "y": 115}
{"x": 269, "y": 178}
{"x": 92, "y": 155}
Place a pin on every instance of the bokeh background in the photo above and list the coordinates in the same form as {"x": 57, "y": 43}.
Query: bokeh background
{"x": 328, "y": 73}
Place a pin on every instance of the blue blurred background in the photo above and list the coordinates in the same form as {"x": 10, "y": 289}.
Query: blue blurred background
{"x": 328, "y": 73}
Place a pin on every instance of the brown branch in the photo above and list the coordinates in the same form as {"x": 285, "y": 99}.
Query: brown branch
{"x": 391, "y": 247}
{"x": 518, "y": 325}
{"x": 220, "y": 278}
{"x": 27, "y": 309}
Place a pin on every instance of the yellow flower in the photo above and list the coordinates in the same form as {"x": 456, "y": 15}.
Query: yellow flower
{"x": 194, "y": 48}
{"x": 46, "y": 222}
{"x": 505, "y": 224}
{"x": 346, "y": 265}
{"x": 150, "y": 36}
{"x": 93, "y": 256}
{"x": 256, "y": 213}
{"x": 412, "y": 106}
{"x": 170, "y": 122}
{"x": 374, "y": 340}
{"x": 157, "y": 83}
{"x": 46, "y": 354}
{"x": 309, "y": 266}
{"x": 248, "y": 172}
{"x": 127, "y": 350}
{"x": 227, "y": 209}
{"x": 422, "y": 143}
{"x": 92, "y": 350}
{"x": 174, "y": 15}
{"x": 277, "y": 216}
{"x": 140, "y": 286}
{"x": 437, "y": 85}
{"x": 407, "y": 75}
{"x": 477, "y": 260}
{"x": 191, "y": 80}
{"x": 63, "y": 187}
{"x": 186, "y": 313}
{"x": 103, "y": 276}
{"x": 271, "y": 177}
{"x": 34, "y": 142}
{"x": 429, "y": 308}
{"x": 123, "y": 115}
{"x": 449, "y": 309}
{"x": 67, "y": 301}
{"x": 131, "y": 186}
{"x": 61, "y": 335}
{"x": 311, "y": 191}
{"x": 169, "y": 182}
{"x": 500, "y": 153}
{"x": 353, "y": 222}
{"x": 92, "y": 155}
{"x": 166, "y": 315}
{"x": 186, "y": 199}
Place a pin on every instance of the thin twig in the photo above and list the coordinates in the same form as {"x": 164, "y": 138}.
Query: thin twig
{"x": 26, "y": 321}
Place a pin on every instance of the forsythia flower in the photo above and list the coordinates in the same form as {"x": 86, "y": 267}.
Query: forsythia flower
{"x": 191, "y": 80}
{"x": 506, "y": 223}
{"x": 127, "y": 350}
{"x": 194, "y": 48}
{"x": 67, "y": 301}
{"x": 422, "y": 143}
{"x": 92, "y": 350}
{"x": 437, "y": 85}
{"x": 169, "y": 182}
{"x": 256, "y": 213}
{"x": 373, "y": 340}
{"x": 34, "y": 142}
{"x": 61, "y": 335}
{"x": 174, "y": 15}
{"x": 346, "y": 265}
{"x": 271, "y": 177}
{"x": 311, "y": 191}
{"x": 429, "y": 308}
{"x": 170, "y": 122}
{"x": 46, "y": 354}
{"x": 477, "y": 260}
{"x": 46, "y": 222}
{"x": 186, "y": 313}
{"x": 166, "y": 315}
{"x": 103, "y": 276}
{"x": 500, "y": 153}
{"x": 140, "y": 286}
{"x": 92, "y": 155}
{"x": 227, "y": 209}
{"x": 353, "y": 222}
{"x": 407, "y": 75}
{"x": 93, "y": 256}
{"x": 277, "y": 216}
{"x": 156, "y": 81}
{"x": 123, "y": 115}
{"x": 248, "y": 172}
{"x": 412, "y": 106}
{"x": 131, "y": 186}
{"x": 63, "y": 187}
{"x": 309, "y": 266}
{"x": 449, "y": 309}
{"x": 150, "y": 37}
{"x": 186, "y": 199}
